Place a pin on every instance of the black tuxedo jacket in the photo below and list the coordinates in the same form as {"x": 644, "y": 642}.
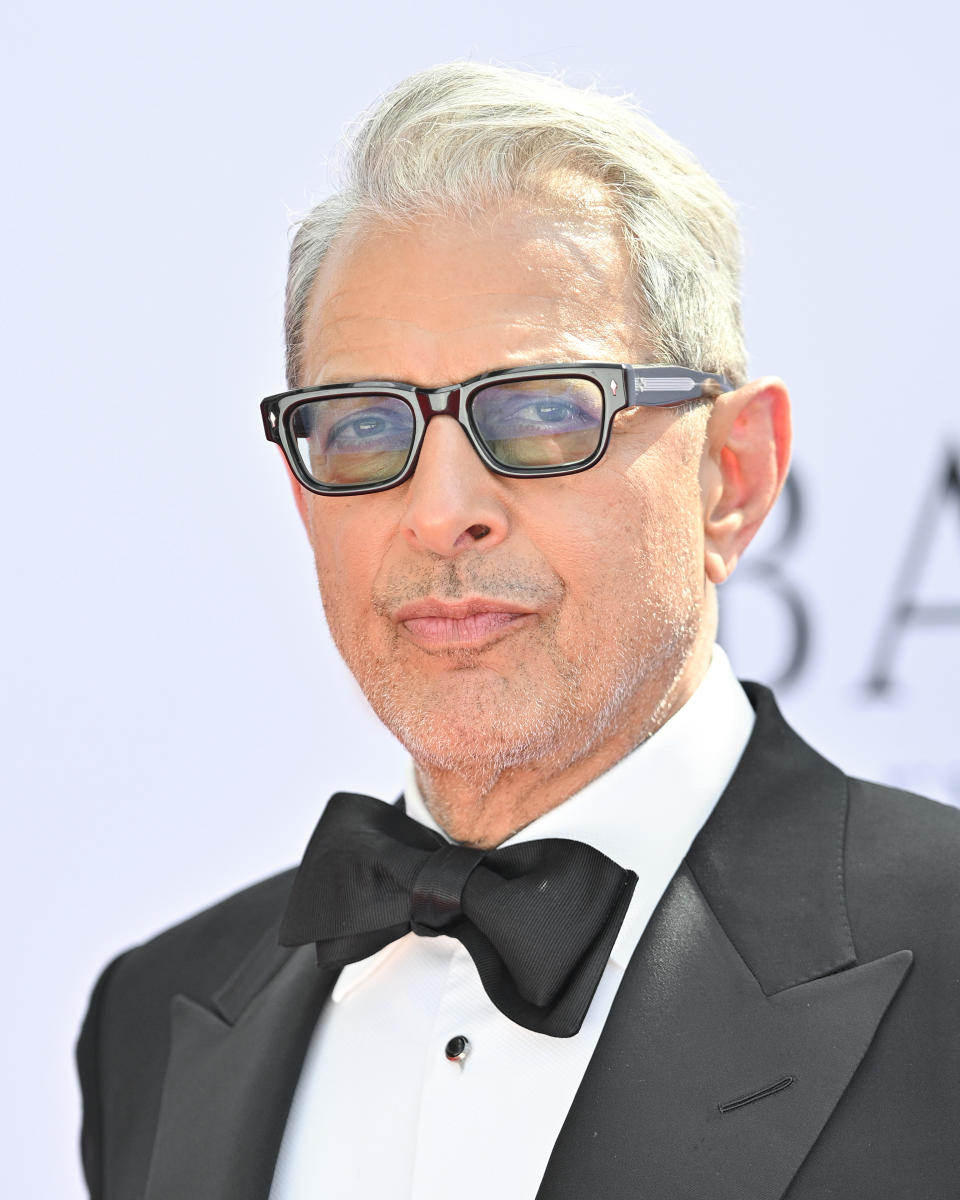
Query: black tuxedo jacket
{"x": 789, "y": 1025}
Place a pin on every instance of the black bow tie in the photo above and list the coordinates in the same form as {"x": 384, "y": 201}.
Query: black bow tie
{"x": 539, "y": 918}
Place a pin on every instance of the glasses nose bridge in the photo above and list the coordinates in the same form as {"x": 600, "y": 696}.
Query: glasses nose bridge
{"x": 446, "y": 402}
{"x": 439, "y": 402}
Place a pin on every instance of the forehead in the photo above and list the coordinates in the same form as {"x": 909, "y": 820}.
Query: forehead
{"x": 443, "y": 298}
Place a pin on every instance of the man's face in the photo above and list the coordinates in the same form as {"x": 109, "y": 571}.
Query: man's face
{"x": 505, "y": 623}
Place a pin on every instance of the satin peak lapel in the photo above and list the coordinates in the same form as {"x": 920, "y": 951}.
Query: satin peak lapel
{"x": 743, "y": 1013}
{"x": 692, "y": 1031}
{"x": 231, "y": 1076}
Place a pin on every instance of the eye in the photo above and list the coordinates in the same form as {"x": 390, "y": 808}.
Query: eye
{"x": 518, "y": 416}
{"x": 372, "y": 425}
{"x": 553, "y": 412}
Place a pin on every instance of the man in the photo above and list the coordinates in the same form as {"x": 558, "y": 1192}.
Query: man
{"x": 627, "y": 935}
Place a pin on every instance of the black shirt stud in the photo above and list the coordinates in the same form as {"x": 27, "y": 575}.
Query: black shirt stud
{"x": 457, "y": 1049}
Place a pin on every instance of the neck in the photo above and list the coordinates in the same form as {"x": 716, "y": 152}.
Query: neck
{"x": 477, "y": 810}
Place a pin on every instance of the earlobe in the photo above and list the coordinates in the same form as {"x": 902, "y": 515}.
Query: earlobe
{"x": 743, "y": 469}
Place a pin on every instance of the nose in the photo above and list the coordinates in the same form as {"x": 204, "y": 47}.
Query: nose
{"x": 454, "y": 502}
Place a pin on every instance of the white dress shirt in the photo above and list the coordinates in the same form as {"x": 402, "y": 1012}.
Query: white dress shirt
{"x": 380, "y": 1113}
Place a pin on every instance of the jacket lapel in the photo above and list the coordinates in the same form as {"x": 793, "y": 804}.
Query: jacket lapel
{"x": 703, "y": 1086}
{"x": 743, "y": 1014}
{"x": 231, "y": 1075}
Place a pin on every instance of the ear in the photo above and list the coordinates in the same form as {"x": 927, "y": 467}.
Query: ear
{"x": 743, "y": 467}
{"x": 299, "y": 495}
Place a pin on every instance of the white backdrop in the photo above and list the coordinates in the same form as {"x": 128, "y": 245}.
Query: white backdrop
{"x": 174, "y": 714}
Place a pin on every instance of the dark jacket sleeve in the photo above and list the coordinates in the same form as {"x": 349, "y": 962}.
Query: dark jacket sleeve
{"x": 88, "y": 1067}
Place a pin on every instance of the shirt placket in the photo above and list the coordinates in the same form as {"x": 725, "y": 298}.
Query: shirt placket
{"x": 461, "y": 1063}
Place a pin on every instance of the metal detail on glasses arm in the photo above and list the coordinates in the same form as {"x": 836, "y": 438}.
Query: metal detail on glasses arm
{"x": 664, "y": 387}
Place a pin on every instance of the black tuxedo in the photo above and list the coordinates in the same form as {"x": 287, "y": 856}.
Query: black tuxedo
{"x": 789, "y": 1025}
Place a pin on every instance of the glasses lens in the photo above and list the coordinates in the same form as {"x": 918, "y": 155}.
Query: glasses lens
{"x": 553, "y": 422}
{"x": 351, "y": 440}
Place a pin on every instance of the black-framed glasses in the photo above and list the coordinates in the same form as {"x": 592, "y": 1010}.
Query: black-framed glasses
{"x": 353, "y": 438}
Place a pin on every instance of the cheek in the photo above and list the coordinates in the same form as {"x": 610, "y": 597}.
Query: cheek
{"x": 636, "y": 543}
{"x": 666, "y": 505}
{"x": 345, "y": 558}
{"x": 596, "y": 544}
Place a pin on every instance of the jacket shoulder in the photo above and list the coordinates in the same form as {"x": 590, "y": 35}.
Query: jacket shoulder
{"x": 902, "y": 836}
{"x": 123, "y": 1044}
{"x": 194, "y": 955}
{"x": 902, "y": 868}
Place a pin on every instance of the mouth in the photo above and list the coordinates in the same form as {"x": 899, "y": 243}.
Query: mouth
{"x": 461, "y": 624}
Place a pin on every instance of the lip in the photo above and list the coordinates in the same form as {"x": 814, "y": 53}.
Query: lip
{"x": 458, "y": 610}
{"x": 460, "y": 624}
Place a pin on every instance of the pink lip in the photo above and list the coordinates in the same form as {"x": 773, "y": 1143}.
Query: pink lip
{"x": 447, "y": 624}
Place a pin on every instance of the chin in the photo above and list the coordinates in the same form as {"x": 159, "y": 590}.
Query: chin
{"x": 479, "y": 730}
{"x": 481, "y": 727}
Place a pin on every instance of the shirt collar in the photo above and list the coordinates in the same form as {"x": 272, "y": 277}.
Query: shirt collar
{"x": 644, "y": 812}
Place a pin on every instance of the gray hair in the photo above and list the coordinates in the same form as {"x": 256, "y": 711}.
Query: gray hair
{"x": 458, "y": 138}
